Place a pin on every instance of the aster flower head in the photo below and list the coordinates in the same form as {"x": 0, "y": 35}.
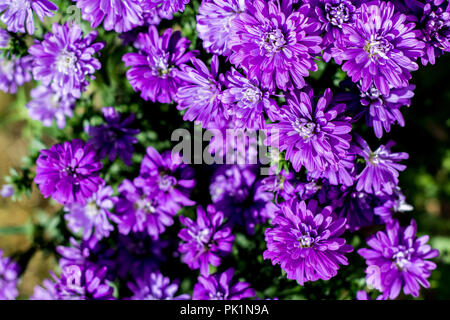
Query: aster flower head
{"x": 155, "y": 286}
{"x": 168, "y": 177}
{"x": 15, "y": 72}
{"x": 206, "y": 240}
{"x": 305, "y": 241}
{"x": 154, "y": 70}
{"x": 92, "y": 218}
{"x": 200, "y": 95}
{"x": 282, "y": 183}
{"x": 6, "y": 191}
{"x": 315, "y": 136}
{"x": 221, "y": 286}
{"x": 48, "y": 106}
{"x": 18, "y": 14}
{"x": 9, "y": 272}
{"x": 68, "y": 172}
{"x": 115, "y": 137}
{"x": 275, "y": 43}
{"x": 214, "y": 21}
{"x": 139, "y": 211}
{"x": 382, "y": 167}
{"x": 118, "y": 15}
{"x": 169, "y": 6}
{"x": 245, "y": 103}
{"x": 64, "y": 59}
{"x": 5, "y": 38}
{"x": 398, "y": 259}
{"x": 379, "y": 48}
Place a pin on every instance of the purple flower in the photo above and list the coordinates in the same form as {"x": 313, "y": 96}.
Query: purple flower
{"x": 275, "y": 43}
{"x": 167, "y": 176}
{"x": 381, "y": 171}
{"x": 200, "y": 94}
{"x": 49, "y": 105}
{"x": 69, "y": 172}
{"x": 154, "y": 70}
{"x": 14, "y": 72}
{"x": 5, "y": 38}
{"x": 18, "y": 14}
{"x": 93, "y": 217}
{"x": 220, "y": 286}
{"x": 397, "y": 259}
{"x": 115, "y": 137}
{"x": 214, "y": 21}
{"x": 6, "y": 191}
{"x": 77, "y": 283}
{"x": 392, "y": 204}
{"x": 305, "y": 241}
{"x": 379, "y": 48}
{"x": 154, "y": 286}
{"x": 169, "y": 6}
{"x": 64, "y": 59}
{"x": 47, "y": 291}
{"x": 138, "y": 211}
{"x": 245, "y": 102}
{"x": 314, "y": 136}
{"x": 281, "y": 183}
{"x": 9, "y": 272}
{"x": 118, "y": 15}
{"x": 206, "y": 240}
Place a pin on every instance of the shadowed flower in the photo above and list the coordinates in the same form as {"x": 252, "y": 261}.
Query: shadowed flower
{"x": 397, "y": 259}
{"x": 14, "y": 72}
{"x": 169, "y": 6}
{"x": 154, "y": 286}
{"x": 9, "y": 271}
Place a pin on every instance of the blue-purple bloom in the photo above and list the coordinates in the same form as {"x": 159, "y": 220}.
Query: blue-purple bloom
{"x": 6, "y": 191}
{"x": 118, "y": 15}
{"x": 155, "y": 286}
{"x": 48, "y": 106}
{"x": 315, "y": 136}
{"x": 9, "y": 272}
{"x": 397, "y": 259}
{"x": 275, "y": 43}
{"x": 379, "y": 48}
{"x": 305, "y": 241}
{"x": 115, "y": 137}
{"x": 221, "y": 286}
{"x": 169, "y": 6}
{"x": 200, "y": 95}
{"x": 18, "y": 14}
{"x": 206, "y": 240}
{"x": 154, "y": 70}
{"x": 69, "y": 172}
{"x": 382, "y": 167}
{"x": 92, "y": 218}
{"x": 64, "y": 59}
{"x": 214, "y": 21}
{"x": 14, "y": 72}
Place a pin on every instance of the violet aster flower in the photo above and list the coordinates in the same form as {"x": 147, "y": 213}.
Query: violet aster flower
{"x": 169, "y": 6}
{"x": 275, "y": 43}
{"x": 9, "y": 271}
{"x": 200, "y": 94}
{"x": 92, "y": 218}
{"x": 168, "y": 176}
{"x": 4, "y": 38}
{"x": 48, "y": 291}
{"x": 245, "y": 102}
{"x": 214, "y": 21}
{"x": 14, "y": 72}
{"x": 118, "y": 15}
{"x": 379, "y": 48}
{"x": 139, "y": 211}
{"x": 382, "y": 167}
{"x": 305, "y": 241}
{"x": 397, "y": 259}
{"x": 78, "y": 283}
{"x": 49, "y": 105}
{"x": 314, "y": 136}
{"x": 69, "y": 172}
{"x": 18, "y": 14}
{"x": 154, "y": 70}
{"x": 154, "y": 286}
{"x": 221, "y": 286}
{"x": 6, "y": 191}
{"x": 64, "y": 59}
{"x": 115, "y": 137}
{"x": 206, "y": 240}
{"x": 281, "y": 183}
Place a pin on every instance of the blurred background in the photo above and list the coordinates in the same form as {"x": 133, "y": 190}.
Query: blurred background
{"x": 425, "y": 182}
